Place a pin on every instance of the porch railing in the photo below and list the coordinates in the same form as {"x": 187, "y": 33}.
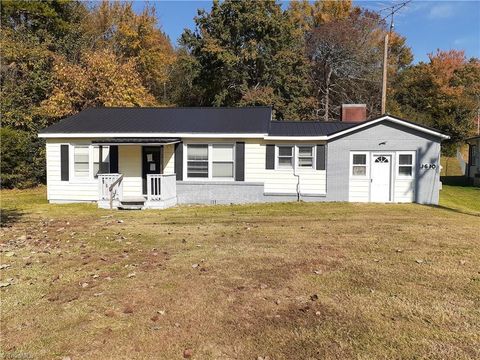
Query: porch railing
{"x": 110, "y": 187}
{"x": 161, "y": 187}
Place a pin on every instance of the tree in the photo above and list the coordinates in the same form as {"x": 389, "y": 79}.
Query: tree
{"x": 246, "y": 51}
{"x": 22, "y": 159}
{"x": 100, "y": 79}
{"x": 443, "y": 93}
{"x": 306, "y": 15}
{"x": 345, "y": 62}
{"x": 115, "y": 26}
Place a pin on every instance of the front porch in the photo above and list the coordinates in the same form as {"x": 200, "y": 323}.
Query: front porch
{"x": 161, "y": 192}
{"x": 142, "y": 177}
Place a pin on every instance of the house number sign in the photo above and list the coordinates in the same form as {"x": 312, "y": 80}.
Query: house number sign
{"x": 428, "y": 166}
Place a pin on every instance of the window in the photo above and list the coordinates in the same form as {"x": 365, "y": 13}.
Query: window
{"x": 197, "y": 161}
{"x": 81, "y": 161}
{"x": 359, "y": 165}
{"x": 381, "y": 159}
{"x": 474, "y": 158}
{"x": 101, "y": 160}
{"x": 305, "y": 156}
{"x": 405, "y": 165}
{"x": 285, "y": 156}
{"x": 222, "y": 161}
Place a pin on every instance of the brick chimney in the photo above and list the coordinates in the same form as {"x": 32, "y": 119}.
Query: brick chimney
{"x": 354, "y": 112}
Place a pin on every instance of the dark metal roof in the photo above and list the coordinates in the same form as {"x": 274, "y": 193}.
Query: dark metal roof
{"x": 307, "y": 128}
{"x": 136, "y": 141}
{"x": 240, "y": 120}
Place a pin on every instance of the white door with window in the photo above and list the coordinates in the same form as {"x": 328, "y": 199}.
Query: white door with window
{"x": 381, "y": 173}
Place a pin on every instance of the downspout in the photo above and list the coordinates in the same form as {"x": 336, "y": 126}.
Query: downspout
{"x": 298, "y": 180}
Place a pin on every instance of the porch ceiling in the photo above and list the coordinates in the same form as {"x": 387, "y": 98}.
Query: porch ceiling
{"x": 143, "y": 141}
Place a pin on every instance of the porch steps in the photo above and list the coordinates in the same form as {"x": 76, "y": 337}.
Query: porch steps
{"x": 134, "y": 203}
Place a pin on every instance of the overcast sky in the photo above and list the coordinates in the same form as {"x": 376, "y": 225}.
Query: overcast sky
{"x": 428, "y": 25}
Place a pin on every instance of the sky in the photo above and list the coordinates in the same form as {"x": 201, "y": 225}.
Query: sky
{"x": 427, "y": 25}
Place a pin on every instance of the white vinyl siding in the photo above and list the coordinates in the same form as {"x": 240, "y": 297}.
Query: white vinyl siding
{"x": 169, "y": 159}
{"x": 130, "y": 165}
{"x": 81, "y": 189}
{"x": 281, "y": 181}
{"x": 86, "y": 189}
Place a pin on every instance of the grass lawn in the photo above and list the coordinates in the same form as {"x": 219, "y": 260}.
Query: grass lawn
{"x": 277, "y": 281}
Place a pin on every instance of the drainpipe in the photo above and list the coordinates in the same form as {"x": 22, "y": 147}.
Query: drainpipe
{"x": 298, "y": 181}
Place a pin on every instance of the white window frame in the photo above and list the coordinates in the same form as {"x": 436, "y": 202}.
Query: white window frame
{"x": 295, "y": 156}
{"x": 397, "y": 165}
{"x": 314, "y": 157}
{"x": 72, "y": 162}
{"x": 277, "y": 155}
{"x": 210, "y": 161}
{"x": 367, "y": 164}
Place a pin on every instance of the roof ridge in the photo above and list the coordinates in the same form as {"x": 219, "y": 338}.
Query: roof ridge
{"x": 176, "y": 107}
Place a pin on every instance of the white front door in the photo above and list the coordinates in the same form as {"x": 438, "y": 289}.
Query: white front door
{"x": 381, "y": 178}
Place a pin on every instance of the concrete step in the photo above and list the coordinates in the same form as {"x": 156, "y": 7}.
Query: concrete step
{"x": 132, "y": 203}
{"x": 123, "y": 206}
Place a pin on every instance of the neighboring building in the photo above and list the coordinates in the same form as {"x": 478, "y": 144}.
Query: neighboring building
{"x": 473, "y": 166}
{"x": 158, "y": 157}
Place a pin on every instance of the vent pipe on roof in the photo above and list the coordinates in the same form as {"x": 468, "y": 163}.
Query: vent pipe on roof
{"x": 354, "y": 112}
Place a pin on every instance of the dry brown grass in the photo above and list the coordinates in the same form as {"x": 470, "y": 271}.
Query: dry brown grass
{"x": 392, "y": 282}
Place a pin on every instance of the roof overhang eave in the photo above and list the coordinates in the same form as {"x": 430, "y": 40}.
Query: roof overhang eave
{"x": 150, "y": 135}
{"x": 295, "y": 138}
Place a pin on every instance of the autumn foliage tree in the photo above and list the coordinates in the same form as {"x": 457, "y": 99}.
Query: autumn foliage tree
{"x": 99, "y": 79}
{"x": 442, "y": 93}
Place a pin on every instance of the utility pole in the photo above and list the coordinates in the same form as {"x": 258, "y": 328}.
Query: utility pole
{"x": 392, "y": 10}
{"x": 384, "y": 78}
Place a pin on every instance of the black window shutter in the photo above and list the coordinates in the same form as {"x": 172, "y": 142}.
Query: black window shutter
{"x": 270, "y": 157}
{"x": 64, "y": 170}
{"x": 240, "y": 161}
{"x": 321, "y": 157}
{"x": 179, "y": 160}
{"x": 113, "y": 159}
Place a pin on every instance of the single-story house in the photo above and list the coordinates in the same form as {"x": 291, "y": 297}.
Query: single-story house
{"x": 159, "y": 157}
{"x": 473, "y": 166}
